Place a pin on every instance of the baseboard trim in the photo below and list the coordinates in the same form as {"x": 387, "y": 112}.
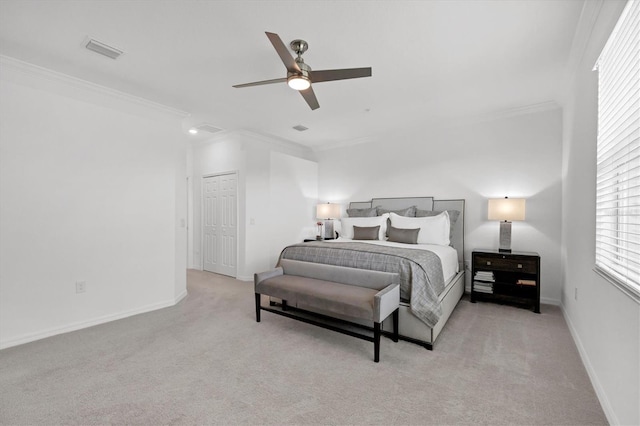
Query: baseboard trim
{"x": 600, "y": 393}
{"x": 244, "y": 278}
{"x": 548, "y": 301}
{"x": 32, "y": 337}
{"x": 181, "y": 296}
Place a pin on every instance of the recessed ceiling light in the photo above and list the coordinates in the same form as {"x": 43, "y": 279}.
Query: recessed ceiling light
{"x": 193, "y": 131}
{"x": 300, "y": 128}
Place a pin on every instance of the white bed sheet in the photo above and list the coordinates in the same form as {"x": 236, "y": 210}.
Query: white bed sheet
{"x": 447, "y": 254}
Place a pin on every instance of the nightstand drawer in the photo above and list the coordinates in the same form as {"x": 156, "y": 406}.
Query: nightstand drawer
{"x": 528, "y": 266}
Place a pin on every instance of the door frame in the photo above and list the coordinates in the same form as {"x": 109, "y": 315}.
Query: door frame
{"x": 208, "y": 175}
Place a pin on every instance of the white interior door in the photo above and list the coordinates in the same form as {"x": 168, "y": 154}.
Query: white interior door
{"x": 228, "y": 224}
{"x": 219, "y": 228}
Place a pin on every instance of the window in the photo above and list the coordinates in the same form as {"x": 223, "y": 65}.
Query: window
{"x": 618, "y": 154}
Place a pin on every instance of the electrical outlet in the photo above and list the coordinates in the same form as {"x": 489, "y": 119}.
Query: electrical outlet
{"x": 575, "y": 293}
{"x": 467, "y": 265}
{"x": 81, "y": 286}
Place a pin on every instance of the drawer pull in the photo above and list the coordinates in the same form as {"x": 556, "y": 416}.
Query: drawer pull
{"x": 488, "y": 263}
{"x": 520, "y": 265}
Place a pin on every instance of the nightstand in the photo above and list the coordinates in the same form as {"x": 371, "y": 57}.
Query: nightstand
{"x": 307, "y": 240}
{"x": 506, "y": 277}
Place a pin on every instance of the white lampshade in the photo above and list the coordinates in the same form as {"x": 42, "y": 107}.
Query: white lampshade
{"x": 506, "y": 209}
{"x": 328, "y": 211}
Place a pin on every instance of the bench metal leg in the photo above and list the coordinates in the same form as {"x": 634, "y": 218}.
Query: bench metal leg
{"x": 395, "y": 325}
{"x": 376, "y": 341}
{"x": 257, "y": 307}
{"x": 284, "y": 305}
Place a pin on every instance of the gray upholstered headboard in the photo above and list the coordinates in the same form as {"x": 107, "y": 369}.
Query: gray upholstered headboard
{"x": 424, "y": 203}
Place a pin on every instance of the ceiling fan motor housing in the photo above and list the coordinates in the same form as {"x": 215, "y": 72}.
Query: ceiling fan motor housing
{"x": 305, "y": 70}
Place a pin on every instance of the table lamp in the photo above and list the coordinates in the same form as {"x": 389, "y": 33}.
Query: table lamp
{"x": 327, "y": 212}
{"x": 506, "y": 210}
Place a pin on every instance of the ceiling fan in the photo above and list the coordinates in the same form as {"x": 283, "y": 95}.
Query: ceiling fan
{"x": 299, "y": 75}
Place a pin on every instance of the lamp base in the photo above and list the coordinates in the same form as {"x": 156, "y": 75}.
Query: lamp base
{"x": 328, "y": 230}
{"x": 505, "y": 237}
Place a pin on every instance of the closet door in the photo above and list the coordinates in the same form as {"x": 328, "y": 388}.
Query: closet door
{"x": 228, "y": 224}
{"x": 219, "y": 227}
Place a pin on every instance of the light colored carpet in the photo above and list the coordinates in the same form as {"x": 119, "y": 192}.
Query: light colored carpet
{"x": 206, "y": 361}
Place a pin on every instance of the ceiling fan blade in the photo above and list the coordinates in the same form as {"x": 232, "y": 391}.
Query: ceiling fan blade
{"x": 260, "y": 83}
{"x": 283, "y": 52}
{"x": 343, "y": 74}
{"x": 310, "y": 97}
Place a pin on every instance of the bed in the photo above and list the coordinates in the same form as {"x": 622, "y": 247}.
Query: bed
{"x": 430, "y": 262}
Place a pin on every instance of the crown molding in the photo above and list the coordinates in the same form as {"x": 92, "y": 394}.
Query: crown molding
{"x": 31, "y": 70}
{"x": 504, "y": 113}
{"x": 586, "y": 22}
{"x": 201, "y": 139}
{"x": 274, "y": 141}
{"x": 448, "y": 123}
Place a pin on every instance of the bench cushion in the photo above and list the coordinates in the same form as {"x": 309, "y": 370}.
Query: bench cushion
{"x": 339, "y": 274}
{"x": 329, "y": 296}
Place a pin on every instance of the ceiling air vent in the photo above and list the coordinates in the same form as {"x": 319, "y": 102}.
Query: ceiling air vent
{"x": 300, "y": 128}
{"x": 103, "y": 49}
{"x": 208, "y": 128}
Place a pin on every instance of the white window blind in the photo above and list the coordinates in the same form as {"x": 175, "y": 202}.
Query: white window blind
{"x": 618, "y": 154}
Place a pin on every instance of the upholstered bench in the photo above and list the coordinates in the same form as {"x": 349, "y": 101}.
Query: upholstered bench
{"x": 354, "y": 294}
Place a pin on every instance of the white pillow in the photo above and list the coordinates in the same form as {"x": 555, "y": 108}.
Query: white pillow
{"x": 433, "y": 229}
{"x": 347, "y": 224}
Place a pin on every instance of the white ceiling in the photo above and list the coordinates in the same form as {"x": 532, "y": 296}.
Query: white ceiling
{"x": 431, "y": 60}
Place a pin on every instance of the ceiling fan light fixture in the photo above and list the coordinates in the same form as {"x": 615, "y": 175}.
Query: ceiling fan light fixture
{"x": 298, "y": 82}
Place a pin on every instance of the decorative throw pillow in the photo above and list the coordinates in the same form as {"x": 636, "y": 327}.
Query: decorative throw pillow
{"x": 400, "y": 235}
{"x": 366, "y": 232}
{"x": 408, "y": 212}
{"x": 347, "y": 224}
{"x": 433, "y": 229}
{"x": 453, "y": 217}
{"x": 370, "y": 212}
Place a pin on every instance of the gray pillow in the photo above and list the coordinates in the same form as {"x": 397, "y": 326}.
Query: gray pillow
{"x": 408, "y": 212}
{"x": 453, "y": 217}
{"x": 370, "y": 212}
{"x": 400, "y": 235}
{"x": 366, "y": 232}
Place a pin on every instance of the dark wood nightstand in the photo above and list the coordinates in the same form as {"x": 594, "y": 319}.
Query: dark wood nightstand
{"x": 307, "y": 240}
{"x": 506, "y": 277}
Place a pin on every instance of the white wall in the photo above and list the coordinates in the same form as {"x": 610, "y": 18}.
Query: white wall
{"x": 92, "y": 188}
{"x": 605, "y": 322}
{"x": 517, "y": 156}
{"x": 277, "y": 189}
{"x": 294, "y": 195}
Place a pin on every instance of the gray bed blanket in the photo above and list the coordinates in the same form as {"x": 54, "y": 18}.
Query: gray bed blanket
{"x": 421, "y": 278}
